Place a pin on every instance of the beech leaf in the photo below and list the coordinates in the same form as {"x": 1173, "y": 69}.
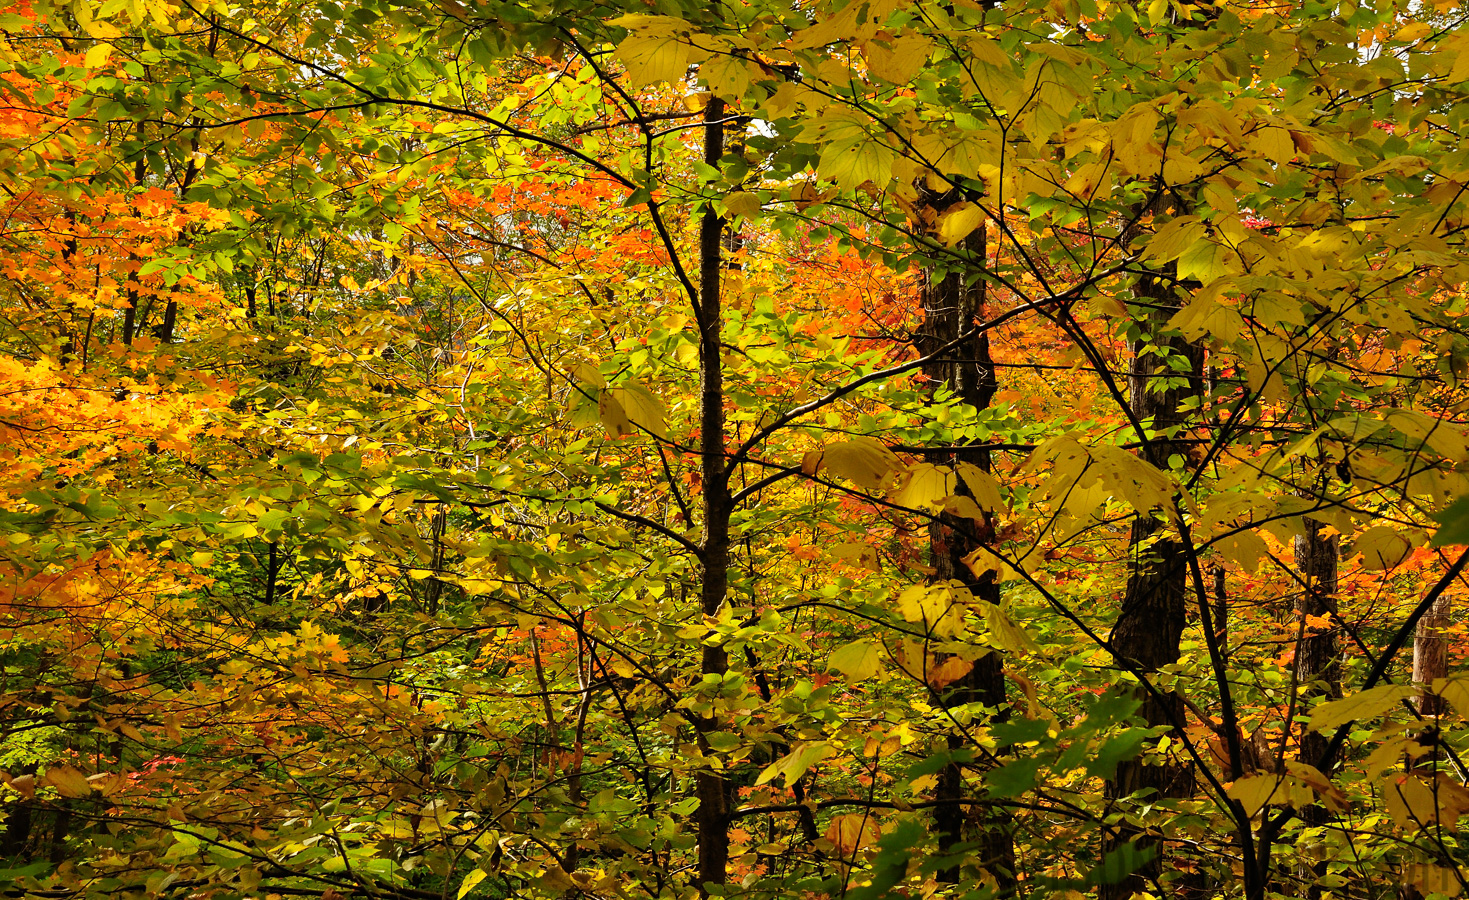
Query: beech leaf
{"x": 1361, "y": 705}
{"x": 858, "y": 661}
{"x": 68, "y": 781}
{"x": 864, "y": 461}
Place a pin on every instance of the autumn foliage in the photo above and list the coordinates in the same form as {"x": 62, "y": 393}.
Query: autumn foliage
{"x": 845, "y": 449}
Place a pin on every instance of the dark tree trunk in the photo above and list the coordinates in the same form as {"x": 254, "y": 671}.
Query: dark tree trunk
{"x": 1318, "y": 660}
{"x": 1166, "y": 371}
{"x": 950, "y": 307}
{"x": 712, "y": 816}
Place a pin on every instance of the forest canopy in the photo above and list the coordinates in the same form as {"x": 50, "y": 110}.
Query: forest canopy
{"x": 836, "y": 449}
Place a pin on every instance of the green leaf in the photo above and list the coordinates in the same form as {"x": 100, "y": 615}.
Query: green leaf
{"x": 1121, "y": 862}
{"x": 1203, "y": 261}
{"x": 1115, "y": 750}
{"x": 1454, "y": 524}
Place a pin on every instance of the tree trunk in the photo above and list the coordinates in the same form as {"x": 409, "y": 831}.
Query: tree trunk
{"x": 1318, "y": 660}
{"x": 1431, "y": 655}
{"x": 1430, "y": 661}
{"x": 712, "y": 817}
{"x": 950, "y": 306}
{"x": 1165, "y": 373}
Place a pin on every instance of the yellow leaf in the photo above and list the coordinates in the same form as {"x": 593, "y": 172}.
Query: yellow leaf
{"x": 1206, "y": 315}
{"x": 1274, "y": 144}
{"x": 1361, "y": 705}
{"x": 586, "y": 372}
{"x": 899, "y": 62}
{"x": 630, "y": 408}
{"x": 470, "y": 881}
{"x": 841, "y": 25}
{"x": 864, "y": 461}
{"x": 1204, "y": 261}
{"x": 1132, "y": 478}
{"x": 982, "y": 561}
{"x": 925, "y": 487}
{"x": 1084, "y": 181}
{"x": 728, "y": 75}
{"x": 614, "y": 417}
{"x": 949, "y": 671}
{"x": 1382, "y": 547}
{"x": 1320, "y": 785}
{"x": 851, "y": 832}
{"x": 858, "y": 661}
{"x": 987, "y": 51}
{"x": 1444, "y": 438}
{"x": 960, "y": 221}
{"x": 106, "y": 783}
{"x": 1430, "y": 879}
{"x": 1254, "y": 791}
{"x": 982, "y": 486}
{"x": 794, "y": 764}
{"x": 811, "y": 462}
{"x": 1415, "y": 803}
{"x": 97, "y": 55}
{"x": 858, "y": 553}
{"x": 1245, "y": 549}
{"x": 657, "y": 49}
{"x": 940, "y": 607}
{"x": 1005, "y": 633}
{"x": 1413, "y": 31}
{"x": 742, "y": 203}
{"x": 25, "y": 784}
{"x": 68, "y": 781}
{"x": 962, "y": 506}
{"x": 1456, "y": 691}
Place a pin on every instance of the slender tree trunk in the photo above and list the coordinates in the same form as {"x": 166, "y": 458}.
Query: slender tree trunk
{"x": 950, "y": 306}
{"x": 130, "y": 314}
{"x": 1431, "y": 655}
{"x": 1166, "y": 371}
{"x": 712, "y": 817}
{"x": 1318, "y": 660}
{"x": 272, "y": 569}
{"x": 1221, "y": 609}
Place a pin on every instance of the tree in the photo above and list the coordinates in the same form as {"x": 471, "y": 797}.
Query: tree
{"x": 415, "y": 491}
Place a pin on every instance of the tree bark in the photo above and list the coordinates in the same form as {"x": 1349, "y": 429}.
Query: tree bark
{"x": 712, "y": 816}
{"x": 1166, "y": 371}
{"x": 1431, "y": 655}
{"x": 1318, "y": 660}
{"x": 950, "y": 306}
